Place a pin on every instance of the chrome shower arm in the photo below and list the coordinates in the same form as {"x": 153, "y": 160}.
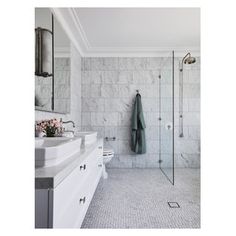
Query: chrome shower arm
{"x": 182, "y": 62}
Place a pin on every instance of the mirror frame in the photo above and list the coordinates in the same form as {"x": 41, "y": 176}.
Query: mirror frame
{"x": 38, "y": 108}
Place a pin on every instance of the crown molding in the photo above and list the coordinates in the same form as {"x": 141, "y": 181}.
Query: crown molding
{"x": 79, "y": 27}
{"x": 64, "y": 17}
{"x": 70, "y": 21}
{"x": 141, "y": 52}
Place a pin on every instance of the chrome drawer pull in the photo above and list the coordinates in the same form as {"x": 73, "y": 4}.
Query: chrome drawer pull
{"x": 100, "y": 165}
{"x": 100, "y": 147}
{"x": 82, "y": 200}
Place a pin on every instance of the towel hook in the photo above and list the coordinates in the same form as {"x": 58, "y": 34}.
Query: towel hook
{"x": 137, "y": 91}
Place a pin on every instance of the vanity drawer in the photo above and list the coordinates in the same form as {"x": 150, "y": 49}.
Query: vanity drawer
{"x": 74, "y": 213}
{"x": 74, "y": 186}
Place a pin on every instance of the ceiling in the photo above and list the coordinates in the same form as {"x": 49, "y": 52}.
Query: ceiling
{"x": 136, "y": 30}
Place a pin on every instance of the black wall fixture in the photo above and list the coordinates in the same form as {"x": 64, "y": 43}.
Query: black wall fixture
{"x": 43, "y": 52}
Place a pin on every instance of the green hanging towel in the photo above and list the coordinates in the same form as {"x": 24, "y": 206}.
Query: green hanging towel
{"x": 138, "y": 141}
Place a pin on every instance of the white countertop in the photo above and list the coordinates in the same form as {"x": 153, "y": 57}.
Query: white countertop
{"x": 50, "y": 177}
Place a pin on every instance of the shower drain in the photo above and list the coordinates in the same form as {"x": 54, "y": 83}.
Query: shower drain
{"x": 173, "y": 204}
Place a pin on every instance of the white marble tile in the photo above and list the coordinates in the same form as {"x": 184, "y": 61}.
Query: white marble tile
{"x": 125, "y": 63}
{"x": 104, "y": 119}
{"x": 152, "y": 133}
{"x": 152, "y": 146}
{"x": 143, "y": 77}
{"x": 166, "y": 76}
{"x": 166, "y": 91}
{"x": 97, "y": 63}
{"x": 191, "y": 118}
{"x": 110, "y": 77}
{"x": 141, "y": 87}
{"x": 109, "y": 90}
{"x": 191, "y": 90}
{"x": 93, "y": 104}
{"x": 151, "y": 118}
{"x": 95, "y": 90}
{"x": 150, "y": 104}
{"x": 86, "y": 77}
{"x": 124, "y": 132}
{"x": 124, "y": 147}
{"x": 124, "y": 118}
{"x": 166, "y": 146}
{"x": 111, "y": 131}
{"x": 124, "y": 91}
{"x": 153, "y": 63}
{"x": 194, "y": 104}
{"x": 86, "y": 63}
{"x": 187, "y": 160}
{"x": 85, "y": 91}
{"x": 152, "y": 161}
{"x": 117, "y": 104}
{"x": 86, "y": 118}
{"x": 140, "y": 63}
{"x": 110, "y": 63}
{"x": 96, "y": 77}
{"x": 187, "y": 146}
{"x": 139, "y": 161}
{"x": 125, "y": 77}
{"x": 194, "y": 132}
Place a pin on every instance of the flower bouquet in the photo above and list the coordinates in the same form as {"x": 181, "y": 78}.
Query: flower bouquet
{"x": 48, "y": 128}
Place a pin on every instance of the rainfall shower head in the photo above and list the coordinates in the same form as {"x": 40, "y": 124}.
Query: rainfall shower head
{"x": 187, "y": 59}
{"x": 190, "y": 60}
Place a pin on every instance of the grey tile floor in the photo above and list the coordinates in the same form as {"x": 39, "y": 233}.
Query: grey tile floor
{"x": 137, "y": 198}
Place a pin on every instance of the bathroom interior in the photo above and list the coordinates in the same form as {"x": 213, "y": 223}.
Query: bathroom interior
{"x": 117, "y": 118}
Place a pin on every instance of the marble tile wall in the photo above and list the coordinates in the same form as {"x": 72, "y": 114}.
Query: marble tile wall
{"x": 75, "y": 93}
{"x": 62, "y": 84}
{"x": 108, "y": 89}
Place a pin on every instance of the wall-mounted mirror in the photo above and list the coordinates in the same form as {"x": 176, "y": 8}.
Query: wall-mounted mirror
{"x": 52, "y": 63}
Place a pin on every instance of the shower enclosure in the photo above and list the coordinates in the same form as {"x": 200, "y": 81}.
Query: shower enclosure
{"x": 166, "y": 117}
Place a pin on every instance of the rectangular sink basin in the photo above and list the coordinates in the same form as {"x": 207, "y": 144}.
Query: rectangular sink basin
{"x": 54, "y": 150}
{"x": 88, "y": 137}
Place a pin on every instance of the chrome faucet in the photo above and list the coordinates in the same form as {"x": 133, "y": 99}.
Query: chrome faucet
{"x": 69, "y": 121}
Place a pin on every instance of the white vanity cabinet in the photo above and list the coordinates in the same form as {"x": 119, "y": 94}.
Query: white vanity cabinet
{"x": 69, "y": 200}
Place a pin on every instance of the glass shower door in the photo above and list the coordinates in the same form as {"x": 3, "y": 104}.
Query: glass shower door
{"x": 166, "y": 117}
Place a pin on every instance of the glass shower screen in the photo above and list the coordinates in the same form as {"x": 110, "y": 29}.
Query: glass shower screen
{"x": 166, "y": 117}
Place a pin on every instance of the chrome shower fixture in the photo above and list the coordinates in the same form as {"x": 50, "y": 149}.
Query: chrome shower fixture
{"x": 187, "y": 59}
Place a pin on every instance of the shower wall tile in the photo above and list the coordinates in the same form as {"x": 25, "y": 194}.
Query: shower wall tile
{"x": 125, "y": 63}
{"x": 93, "y": 104}
{"x": 153, "y": 63}
{"x": 194, "y": 132}
{"x": 125, "y": 77}
{"x": 108, "y": 90}
{"x": 194, "y": 104}
{"x": 123, "y": 132}
{"x": 86, "y": 118}
{"x": 109, "y": 77}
